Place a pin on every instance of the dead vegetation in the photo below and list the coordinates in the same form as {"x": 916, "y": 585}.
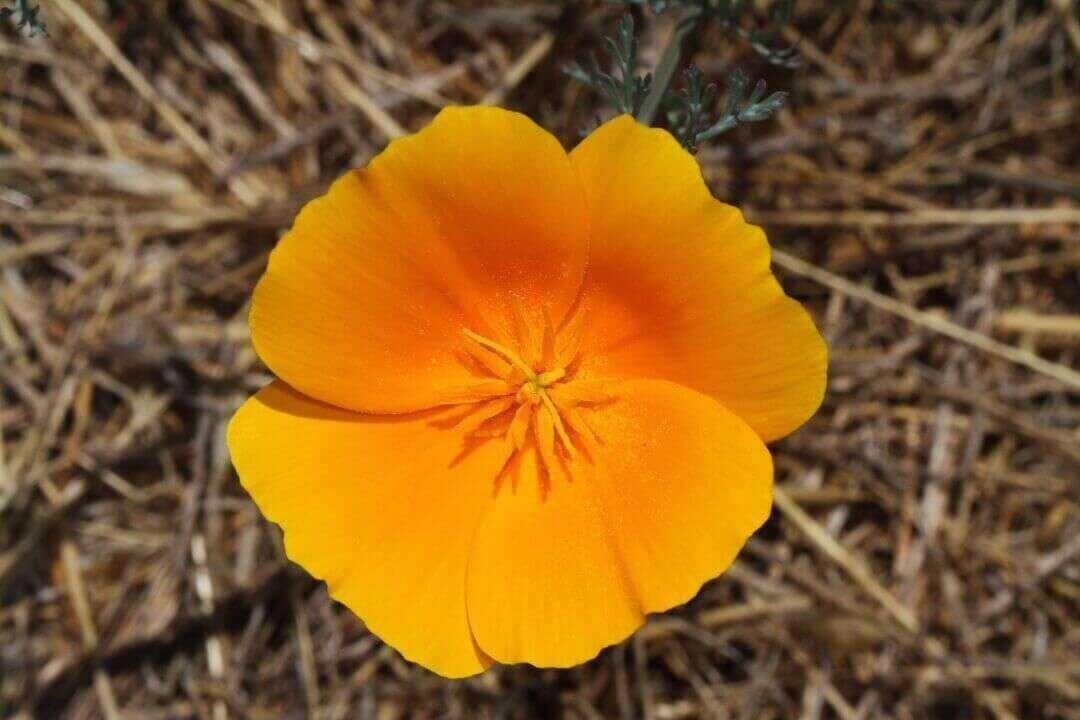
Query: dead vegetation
{"x": 921, "y": 191}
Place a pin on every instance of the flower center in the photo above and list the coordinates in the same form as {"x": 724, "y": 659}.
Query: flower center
{"x": 527, "y": 396}
{"x": 533, "y": 391}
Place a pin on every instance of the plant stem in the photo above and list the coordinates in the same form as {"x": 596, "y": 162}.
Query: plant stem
{"x": 667, "y": 67}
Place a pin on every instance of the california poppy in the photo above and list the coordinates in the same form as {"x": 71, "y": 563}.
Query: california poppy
{"x": 524, "y": 395}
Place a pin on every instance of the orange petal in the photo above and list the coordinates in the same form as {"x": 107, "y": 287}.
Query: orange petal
{"x": 544, "y": 583}
{"x": 383, "y": 508}
{"x": 683, "y": 483}
{"x": 677, "y": 485}
{"x": 679, "y": 286}
{"x": 364, "y": 300}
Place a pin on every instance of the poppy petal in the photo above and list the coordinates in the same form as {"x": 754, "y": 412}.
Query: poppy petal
{"x": 383, "y": 508}
{"x": 683, "y": 483}
{"x": 679, "y": 286}
{"x": 676, "y": 485}
{"x": 364, "y": 300}
{"x": 544, "y": 582}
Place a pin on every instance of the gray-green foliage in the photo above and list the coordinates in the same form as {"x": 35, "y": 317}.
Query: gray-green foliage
{"x": 625, "y": 90}
{"x": 692, "y": 113}
{"x": 690, "y": 117}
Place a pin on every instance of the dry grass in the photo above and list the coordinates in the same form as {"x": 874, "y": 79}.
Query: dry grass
{"x": 922, "y": 193}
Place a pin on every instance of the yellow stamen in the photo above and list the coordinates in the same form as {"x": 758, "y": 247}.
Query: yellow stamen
{"x": 533, "y": 390}
{"x": 491, "y": 409}
{"x": 484, "y": 390}
{"x": 545, "y": 443}
{"x": 551, "y": 376}
{"x": 519, "y": 426}
{"x": 578, "y": 424}
{"x": 584, "y": 392}
{"x": 524, "y": 333}
{"x": 560, "y": 429}
{"x": 512, "y": 357}
{"x": 494, "y": 363}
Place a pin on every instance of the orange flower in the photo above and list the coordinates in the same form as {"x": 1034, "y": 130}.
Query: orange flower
{"x": 524, "y": 395}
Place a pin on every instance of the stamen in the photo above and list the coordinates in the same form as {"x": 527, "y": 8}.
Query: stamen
{"x": 507, "y": 470}
{"x": 479, "y": 391}
{"x": 578, "y": 424}
{"x": 545, "y": 435}
{"x": 519, "y": 426}
{"x": 523, "y": 332}
{"x": 490, "y": 361}
{"x": 545, "y": 442}
{"x": 491, "y": 409}
{"x": 512, "y": 357}
{"x": 551, "y": 376}
{"x": 559, "y": 427}
{"x": 571, "y": 334}
{"x": 525, "y": 400}
{"x": 584, "y": 392}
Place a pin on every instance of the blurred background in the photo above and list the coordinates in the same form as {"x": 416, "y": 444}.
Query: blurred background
{"x": 921, "y": 188}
